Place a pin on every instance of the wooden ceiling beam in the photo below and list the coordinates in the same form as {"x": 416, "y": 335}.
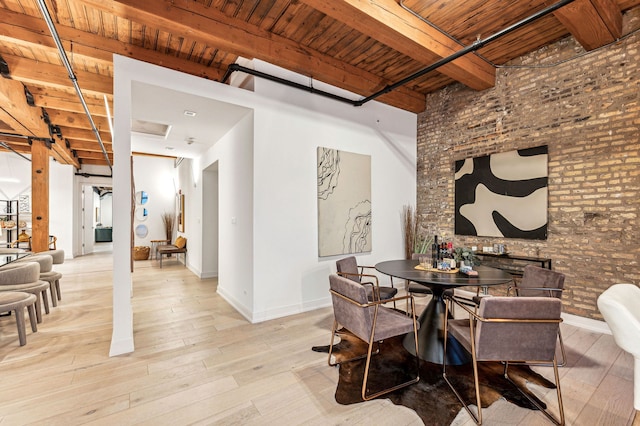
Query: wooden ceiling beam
{"x": 51, "y": 75}
{"x": 390, "y": 24}
{"x": 84, "y": 134}
{"x": 59, "y": 147}
{"x": 212, "y": 27}
{"x": 14, "y": 103}
{"x": 593, "y": 23}
{"x": 20, "y": 28}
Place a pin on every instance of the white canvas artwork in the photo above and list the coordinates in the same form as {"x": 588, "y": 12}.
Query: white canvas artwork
{"x": 344, "y": 202}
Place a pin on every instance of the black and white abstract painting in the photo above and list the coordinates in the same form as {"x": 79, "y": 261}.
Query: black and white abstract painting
{"x": 344, "y": 202}
{"x": 503, "y": 195}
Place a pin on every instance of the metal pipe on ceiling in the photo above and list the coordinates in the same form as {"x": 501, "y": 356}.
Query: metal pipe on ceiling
{"x": 5, "y": 145}
{"x": 56, "y": 38}
{"x": 472, "y": 48}
{"x": 468, "y": 49}
{"x": 237, "y": 67}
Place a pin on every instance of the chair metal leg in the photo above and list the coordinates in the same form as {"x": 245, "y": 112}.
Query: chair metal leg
{"x": 564, "y": 355}
{"x": 367, "y": 397}
{"x": 534, "y": 402}
{"x": 476, "y": 418}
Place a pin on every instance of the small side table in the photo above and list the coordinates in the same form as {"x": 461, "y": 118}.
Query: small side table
{"x": 154, "y": 247}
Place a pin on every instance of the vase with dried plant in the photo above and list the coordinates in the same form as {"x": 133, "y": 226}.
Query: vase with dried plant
{"x": 413, "y": 241}
{"x": 168, "y": 220}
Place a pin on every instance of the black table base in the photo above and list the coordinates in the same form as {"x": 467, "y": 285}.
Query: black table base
{"x": 431, "y": 336}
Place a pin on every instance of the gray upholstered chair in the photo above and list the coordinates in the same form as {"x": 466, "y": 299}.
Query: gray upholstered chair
{"x": 47, "y": 273}
{"x": 541, "y": 282}
{"x": 370, "y": 322}
{"x": 25, "y": 277}
{"x": 348, "y": 267}
{"x": 620, "y": 307}
{"x": 16, "y": 301}
{"x": 505, "y": 329}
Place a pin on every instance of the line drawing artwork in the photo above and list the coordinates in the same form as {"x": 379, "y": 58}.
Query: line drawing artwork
{"x": 503, "y": 194}
{"x": 344, "y": 202}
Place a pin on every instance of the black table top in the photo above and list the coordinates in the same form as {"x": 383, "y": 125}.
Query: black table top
{"x": 405, "y": 269}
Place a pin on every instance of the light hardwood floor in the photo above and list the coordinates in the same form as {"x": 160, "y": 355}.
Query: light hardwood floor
{"x": 197, "y": 361}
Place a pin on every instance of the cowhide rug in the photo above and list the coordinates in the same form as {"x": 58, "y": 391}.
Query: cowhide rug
{"x": 431, "y": 398}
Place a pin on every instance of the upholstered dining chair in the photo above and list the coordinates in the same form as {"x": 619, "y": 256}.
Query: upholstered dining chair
{"x": 348, "y": 268}
{"x": 620, "y": 307}
{"x": 541, "y": 282}
{"x": 47, "y": 273}
{"x": 25, "y": 277}
{"x": 370, "y": 322}
{"x": 505, "y": 329}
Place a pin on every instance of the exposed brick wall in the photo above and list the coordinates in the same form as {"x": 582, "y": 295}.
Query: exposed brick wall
{"x": 586, "y": 107}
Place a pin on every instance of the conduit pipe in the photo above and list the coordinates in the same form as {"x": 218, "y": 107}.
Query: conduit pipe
{"x": 472, "y": 48}
{"x": 56, "y": 38}
{"x": 5, "y": 145}
{"x": 237, "y": 67}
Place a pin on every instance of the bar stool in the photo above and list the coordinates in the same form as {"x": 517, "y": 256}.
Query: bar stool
{"x": 25, "y": 277}
{"x": 16, "y": 301}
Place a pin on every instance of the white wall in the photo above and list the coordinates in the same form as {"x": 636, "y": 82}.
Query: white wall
{"x": 60, "y": 195}
{"x": 157, "y": 176}
{"x": 267, "y": 209}
{"x": 97, "y": 176}
{"x": 210, "y": 222}
{"x": 106, "y": 210}
{"x": 236, "y": 214}
{"x": 289, "y": 277}
{"x": 61, "y": 206}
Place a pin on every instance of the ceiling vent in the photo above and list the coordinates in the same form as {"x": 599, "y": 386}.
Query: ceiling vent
{"x": 149, "y": 128}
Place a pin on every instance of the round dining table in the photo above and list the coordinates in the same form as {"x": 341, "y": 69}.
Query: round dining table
{"x": 431, "y": 332}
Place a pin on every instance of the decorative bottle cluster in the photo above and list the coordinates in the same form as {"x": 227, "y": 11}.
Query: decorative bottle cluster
{"x": 439, "y": 252}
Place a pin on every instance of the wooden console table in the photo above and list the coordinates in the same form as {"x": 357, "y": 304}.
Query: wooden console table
{"x": 511, "y": 263}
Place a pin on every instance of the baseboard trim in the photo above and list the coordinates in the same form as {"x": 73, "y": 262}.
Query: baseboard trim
{"x": 242, "y": 310}
{"x": 586, "y": 323}
{"x": 121, "y": 347}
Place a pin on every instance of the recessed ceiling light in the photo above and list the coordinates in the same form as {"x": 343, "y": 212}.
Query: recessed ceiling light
{"x": 189, "y": 113}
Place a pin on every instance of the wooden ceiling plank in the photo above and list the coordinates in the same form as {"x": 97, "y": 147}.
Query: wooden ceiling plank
{"x": 212, "y": 27}
{"x": 93, "y": 162}
{"x": 32, "y": 31}
{"x": 29, "y": 71}
{"x": 13, "y": 100}
{"x": 76, "y": 120}
{"x": 72, "y": 105}
{"x": 390, "y": 24}
{"x": 593, "y": 23}
{"x": 93, "y": 155}
{"x": 83, "y": 145}
{"x": 84, "y": 134}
